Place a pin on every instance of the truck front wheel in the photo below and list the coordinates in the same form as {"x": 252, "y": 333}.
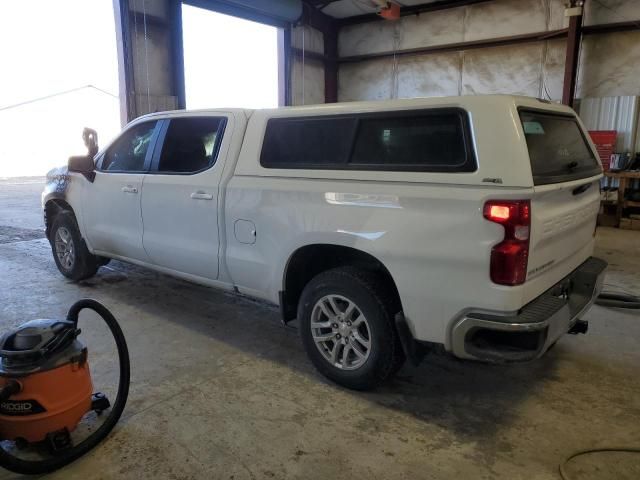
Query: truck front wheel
{"x": 70, "y": 253}
{"x": 346, "y": 325}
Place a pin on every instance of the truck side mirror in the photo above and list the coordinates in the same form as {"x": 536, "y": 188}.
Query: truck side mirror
{"x": 90, "y": 138}
{"x": 82, "y": 164}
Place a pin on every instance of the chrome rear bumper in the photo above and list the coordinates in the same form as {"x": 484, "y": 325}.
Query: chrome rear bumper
{"x": 528, "y": 333}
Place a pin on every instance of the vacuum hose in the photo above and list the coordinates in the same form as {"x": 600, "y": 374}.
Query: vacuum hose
{"x": 618, "y": 300}
{"x": 37, "y": 467}
{"x": 563, "y": 471}
{"x": 615, "y": 300}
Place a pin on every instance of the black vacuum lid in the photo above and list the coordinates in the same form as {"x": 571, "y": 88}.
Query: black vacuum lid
{"x": 31, "y": 344}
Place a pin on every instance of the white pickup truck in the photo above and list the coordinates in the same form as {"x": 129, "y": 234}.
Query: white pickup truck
{"x": 385, "y": 228}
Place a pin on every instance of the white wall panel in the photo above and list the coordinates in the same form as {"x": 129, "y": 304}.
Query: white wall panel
{"x": 307, "y": 80}
{"x": 513, "y": 70}
{"x": 610, "y": 65}
{"x": 555, "y": 11}
{"x": 552, "y": 77}
{"x": 430, "y": 76}
{"x": 371, "y": 37}
{"x": 311, "y": 89}
{"x": 157, "y": 8}
{"x": 610, "y": 11}
{"x": 152, "y": 60}
{"x": 155, "y": 103}
{"x": 436, "y": 28}
{"x": 502, "y": 18}
{"x": 520, "y": 69}
{"x": 365, "y": 80}
{"x": 307, "y": 38}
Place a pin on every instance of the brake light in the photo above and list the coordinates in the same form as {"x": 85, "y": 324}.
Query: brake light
{"x": 509, "y": 258}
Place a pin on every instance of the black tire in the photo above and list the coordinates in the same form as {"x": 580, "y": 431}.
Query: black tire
{"x": 372, "y": 297}
{"x": 84, "y": 264}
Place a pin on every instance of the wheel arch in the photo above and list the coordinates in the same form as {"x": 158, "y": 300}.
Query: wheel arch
{"x": 310, "y": 260}
{"x": 52, "y": 208}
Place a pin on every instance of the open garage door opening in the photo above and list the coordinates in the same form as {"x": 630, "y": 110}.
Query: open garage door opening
{"x": 229, "y": 61}
{"x": 59, "y": 75}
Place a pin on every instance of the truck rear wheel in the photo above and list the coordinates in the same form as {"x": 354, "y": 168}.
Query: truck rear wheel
{"x": 347, "y": 329}
{"x": 70, "y": 253}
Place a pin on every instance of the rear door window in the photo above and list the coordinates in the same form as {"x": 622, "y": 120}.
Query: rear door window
{"x": 191, "y": 144}
{"x": 558, "y": 149}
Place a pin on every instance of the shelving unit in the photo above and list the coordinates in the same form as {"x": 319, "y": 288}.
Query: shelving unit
{"x": 624, "y": 178}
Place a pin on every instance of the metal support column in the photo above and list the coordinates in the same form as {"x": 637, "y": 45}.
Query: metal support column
{"x": 331, "y": 64}
{"x": 177, "y": 53}
{"x": 284, "y": 66}
{"x": 125, "y": 61}
{"x": 574, "y": 36}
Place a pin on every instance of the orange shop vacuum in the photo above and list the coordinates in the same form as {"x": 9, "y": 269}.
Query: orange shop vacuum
{"x": 46, "y": 390}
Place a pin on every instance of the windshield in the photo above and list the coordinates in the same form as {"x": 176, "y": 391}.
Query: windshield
{"x": 558, "y": 150}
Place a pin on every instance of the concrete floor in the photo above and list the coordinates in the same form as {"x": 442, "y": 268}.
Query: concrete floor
{"x": 222, "y": 391}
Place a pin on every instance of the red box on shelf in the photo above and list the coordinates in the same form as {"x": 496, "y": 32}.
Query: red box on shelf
{"x": 605, "y": 141}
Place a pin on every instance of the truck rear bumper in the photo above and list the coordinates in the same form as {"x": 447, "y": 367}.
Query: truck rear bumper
{"x": 528, "y": 333}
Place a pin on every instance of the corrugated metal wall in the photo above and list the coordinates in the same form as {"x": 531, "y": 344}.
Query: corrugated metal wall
{"x": 613, "y": 113}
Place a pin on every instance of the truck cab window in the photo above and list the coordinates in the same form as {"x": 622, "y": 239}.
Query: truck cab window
{"x": 191, "y": 144}
{"x": 128, "y": 153}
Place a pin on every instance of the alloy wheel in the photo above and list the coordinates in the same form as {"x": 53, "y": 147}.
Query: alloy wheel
{"x": 341, "y": 332}
{"x": 65, "y": 250}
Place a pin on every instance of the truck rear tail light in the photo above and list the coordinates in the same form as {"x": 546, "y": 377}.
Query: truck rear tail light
{"x": 509, "y": 258}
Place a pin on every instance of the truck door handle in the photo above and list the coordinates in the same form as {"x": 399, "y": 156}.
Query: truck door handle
{"x": 581, "y": 189}
{"x": 129, "y": 189}
{"x": 199, "y": 195}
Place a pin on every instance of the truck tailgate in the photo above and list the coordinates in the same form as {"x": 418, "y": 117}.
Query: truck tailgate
{"x": 566, "y": 198}
{"x": 563, "y": 221}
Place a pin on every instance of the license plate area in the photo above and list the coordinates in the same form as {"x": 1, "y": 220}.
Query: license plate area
{"x": 563, "y": 290}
